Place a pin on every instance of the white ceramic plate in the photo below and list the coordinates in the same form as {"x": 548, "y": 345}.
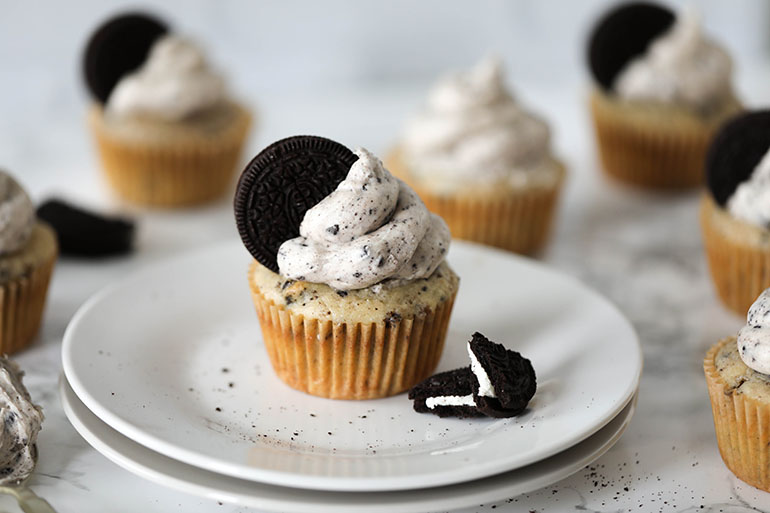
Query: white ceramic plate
{"x": 193, "y": 480}
{"x": 173, "y": 359}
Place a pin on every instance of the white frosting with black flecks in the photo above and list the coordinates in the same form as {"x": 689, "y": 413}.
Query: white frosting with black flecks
{"x": 472, "y": 132}
{"x": 173, "y": 83}
{"x": 17, "y": 215}
{"x": 682, "y": 66}
{"x": 754, "y": 338}
{"x": 372, "y": 228}
{"x": 21, "y": 423}
{"x": 751, "y": 199}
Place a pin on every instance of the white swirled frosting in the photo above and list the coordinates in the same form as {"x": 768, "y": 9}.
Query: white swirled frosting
{"x": 21, "y": 423}
{"x": 754, "y": 338}
{"x": 751, "y": 199}
{"x": 174, "y": 82}
{"x": 17, "y": 215}
{"x": 682, "y": 66}
{"x": 473, "y": 131}
{"x": 372, "y": 228}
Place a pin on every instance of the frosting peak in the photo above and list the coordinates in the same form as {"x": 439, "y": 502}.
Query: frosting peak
{"x": 17, "y": 215}
{"x": 473, "y": 132}
{"x": 682, "y": 66}
{"x": 175, "y": 82}
{"x": 754, "y": 338}
{"x": 373, "y": 227}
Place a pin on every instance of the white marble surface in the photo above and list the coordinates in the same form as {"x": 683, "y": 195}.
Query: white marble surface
{"x": 643, "y": 251}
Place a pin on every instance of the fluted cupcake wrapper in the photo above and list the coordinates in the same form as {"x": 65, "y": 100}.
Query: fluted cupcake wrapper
{"x": 352, "y": 360}
{"x": 170, "y": 173}
{"x": 651, "y": 150}
{"x": 740, "y": 271}
{"x": 517, "y": 220}
{"x": 742, "y": 426}
{"x": 22, "y": 301}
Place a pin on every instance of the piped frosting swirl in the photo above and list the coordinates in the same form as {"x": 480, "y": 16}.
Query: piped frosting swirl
{"x": 372, "y": 228}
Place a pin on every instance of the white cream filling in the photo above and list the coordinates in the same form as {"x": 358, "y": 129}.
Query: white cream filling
{"x": 450, "y": 400}
{"x": 485, "y": 385}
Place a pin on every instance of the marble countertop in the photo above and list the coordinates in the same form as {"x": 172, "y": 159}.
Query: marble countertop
{"x": 643, "y": 251}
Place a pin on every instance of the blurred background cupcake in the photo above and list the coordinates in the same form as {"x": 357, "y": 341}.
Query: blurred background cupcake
{"x": 735, "y": 212}
{"x": 738, "y": 378}
{"x": 28, "y": 251}
{"x": 661, "y": 89}
{"x": 481, "y": 161}
{"x": 167, "y": 131}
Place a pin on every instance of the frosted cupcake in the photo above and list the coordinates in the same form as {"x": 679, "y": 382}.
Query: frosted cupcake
{"x": 738, "y": 378}
{"x": 167, "y": 131}
{"x": 349, "y": 280}
{"x": 482, "y": 162}
{"x": 735, "y": 212}
{"x": 662, "y": 88}
{"x": 28, "y": 251}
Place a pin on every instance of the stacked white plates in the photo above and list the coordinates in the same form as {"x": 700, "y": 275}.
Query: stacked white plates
{"x": 165, "y": 374}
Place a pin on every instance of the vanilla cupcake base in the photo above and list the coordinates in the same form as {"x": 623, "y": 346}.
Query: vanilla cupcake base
{"x": 738, "y": 255}
{"x": 514, "y": 218}
{"x": 361, "y": 344}
{"x": 171, "y": 164}
{"x": 24, "y": 281}
{"x": 740, "y": 401}
{"x": 654, "y": 146}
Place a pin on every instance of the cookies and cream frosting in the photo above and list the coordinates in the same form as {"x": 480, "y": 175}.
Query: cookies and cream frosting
{"x": 682, "y": 66}
{"x": 754, "y": 338}
{"x": 174, "y": 82}
{"x": 751, "y": 200}
{"x": 372, "y": 228}
{"x": 21, "y": 423}
{"x": 472, "y": 131}
{"x": 17, "y": 215}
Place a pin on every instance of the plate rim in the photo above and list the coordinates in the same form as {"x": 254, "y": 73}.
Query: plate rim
{"x": 279, "y": 477}
{"x": 489, "y": 489}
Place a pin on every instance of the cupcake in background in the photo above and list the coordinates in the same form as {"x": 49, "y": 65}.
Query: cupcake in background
{"x": 349, "y": 280}
{"x": 167, "y": 131}
{"x": 28, "y": 251}
{"x": 738, "y": 378}
{"x": 735, "y": 212}
{"x": 481, "y": 161}
{"x": 661, "y": 90}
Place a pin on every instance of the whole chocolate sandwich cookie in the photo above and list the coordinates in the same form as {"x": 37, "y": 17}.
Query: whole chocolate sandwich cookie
{"x": 499, "y": 383}
{"x": 446, "y": 394}
{"x": 623, "y": 34}
{"x": 84, "y": 233}
{"x": 118, "y": 47}
{"x": 280, "y": 185}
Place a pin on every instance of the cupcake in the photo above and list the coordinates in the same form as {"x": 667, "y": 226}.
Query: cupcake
{"x": 28, "y": 251}
{"x": 662, "y": 88}
{"x": 349, "y": 280}
{"x": 482, "y": 162}
{"x": 166, "y": 129}
{"x": 735, "y": 211}
{"x": 738, "y": 379}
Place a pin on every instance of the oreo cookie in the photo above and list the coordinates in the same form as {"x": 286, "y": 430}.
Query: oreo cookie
{"x": 509, "y": 374}
{"x": 623, "y": 33}
{"x": 735, "y": 151}
{"x": 450, "y": 384}
{"x": 119, "y": 46}
{"x": 280, "y": 184}
{"x": 84, "y": 233}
